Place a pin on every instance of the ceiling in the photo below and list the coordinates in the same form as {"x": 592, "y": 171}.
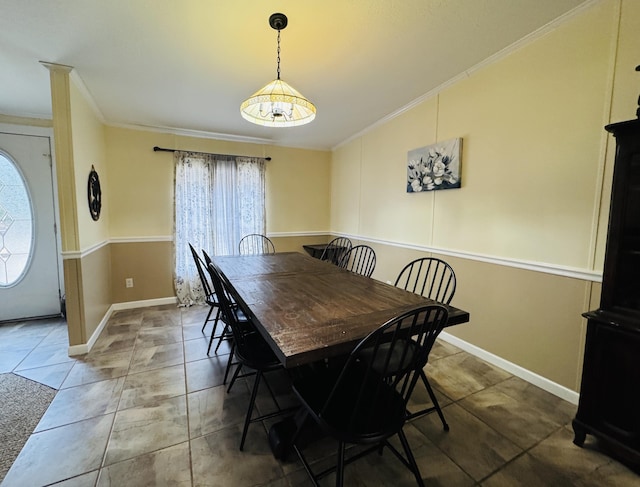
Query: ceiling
{"x": 188, "y": 64}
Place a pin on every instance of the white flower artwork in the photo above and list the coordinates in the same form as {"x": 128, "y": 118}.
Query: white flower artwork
{"x": 435, "y": 166}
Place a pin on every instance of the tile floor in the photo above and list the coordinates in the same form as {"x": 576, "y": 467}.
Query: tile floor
{"x": 146, "y": 408}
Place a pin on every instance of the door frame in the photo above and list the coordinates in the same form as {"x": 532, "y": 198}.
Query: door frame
{"x": 43, "y": 131}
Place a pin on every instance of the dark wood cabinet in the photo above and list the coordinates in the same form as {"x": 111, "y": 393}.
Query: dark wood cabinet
{"x": 609, "y": 406}
{"x": 621, "y": 279}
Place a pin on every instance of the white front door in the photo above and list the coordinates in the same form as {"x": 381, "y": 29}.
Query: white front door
{"x": 29, "y": 279}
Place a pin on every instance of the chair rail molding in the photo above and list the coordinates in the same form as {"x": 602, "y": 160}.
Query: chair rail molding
{"x": 543, "y": 267}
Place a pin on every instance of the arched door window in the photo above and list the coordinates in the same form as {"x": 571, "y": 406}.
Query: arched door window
{"x": 16, "y": 223}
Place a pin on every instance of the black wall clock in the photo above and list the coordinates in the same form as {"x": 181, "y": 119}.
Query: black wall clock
{"x": 94, "y": 194}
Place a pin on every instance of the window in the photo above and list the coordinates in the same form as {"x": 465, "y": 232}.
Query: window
{"x": 16, "y": 223}
{"x": 218, "y": 200}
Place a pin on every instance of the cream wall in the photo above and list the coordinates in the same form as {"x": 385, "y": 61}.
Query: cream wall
{"x": 625, "y": 96}
{"x": 141, "y": 183}
{"x": 141, "y": 189}
{"x": 532, "y": 129}
{"x": 345, "y": 188}
{"x": 140, "y": 195}
{"x": 94, "y": 266}
{"x": 386, "y": 210}
{"x": 531, "y": 155}
{"x": 298, "y": 190}
{"x": 533, "y": 174}
{"x": 89, "y": 150}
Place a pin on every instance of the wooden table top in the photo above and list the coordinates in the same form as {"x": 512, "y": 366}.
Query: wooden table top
{"x": 308, "y": 309}
{"x": 251, "y": 266}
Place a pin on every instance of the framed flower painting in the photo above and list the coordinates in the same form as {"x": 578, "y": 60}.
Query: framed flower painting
{"x": 435, "y": 166}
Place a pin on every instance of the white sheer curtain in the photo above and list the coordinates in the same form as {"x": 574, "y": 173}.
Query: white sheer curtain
{"x": 218, "y": 200}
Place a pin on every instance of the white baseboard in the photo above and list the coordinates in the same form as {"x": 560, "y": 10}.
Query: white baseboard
{"x": 531, "y": 377}
{"x": 86, "y": 347}
{"x": 145, "y": 303}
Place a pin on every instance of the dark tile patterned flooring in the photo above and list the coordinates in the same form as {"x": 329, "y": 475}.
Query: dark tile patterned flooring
{"x": 146, "y": 407}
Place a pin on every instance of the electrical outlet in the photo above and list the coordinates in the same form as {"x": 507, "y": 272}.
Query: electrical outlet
{"x": 128, "y": 282}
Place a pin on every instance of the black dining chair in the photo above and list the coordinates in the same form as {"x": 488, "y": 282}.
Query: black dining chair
{"x": 435, "y": 279}
{"x": 250, "y": 350}
{"x": 335, "y": 249}
{"x": 226, "y": 331}
{"x": 254, "y": 243}
{"x": 430, "y": 277}
{"x": 210, "y": 296}
{"x": 226, "y": 334}
{"x": 364, "y": 402}
{"x": 360, "y": 259}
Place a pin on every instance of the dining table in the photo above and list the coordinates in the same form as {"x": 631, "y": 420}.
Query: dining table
{"x": 309, "y": 310}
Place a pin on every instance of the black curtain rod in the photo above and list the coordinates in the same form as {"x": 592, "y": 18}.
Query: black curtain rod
{"x": 161, "y": 149}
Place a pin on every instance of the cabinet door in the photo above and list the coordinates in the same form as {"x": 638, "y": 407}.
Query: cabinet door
{"x": 621, "y": 279}
{"x": 627, "y": 285}
{"x": 610, "y": 399}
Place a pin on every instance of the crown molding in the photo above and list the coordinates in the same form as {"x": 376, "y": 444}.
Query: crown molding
{"x": 191, "y": 133}
{"x": 498, "y": 56}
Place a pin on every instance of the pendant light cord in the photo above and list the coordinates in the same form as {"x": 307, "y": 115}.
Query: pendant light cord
{"x": 278, "y": 53}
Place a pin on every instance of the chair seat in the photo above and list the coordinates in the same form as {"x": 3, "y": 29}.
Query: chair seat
{"x": 392, "y": 357}
{"x": 341, "y": 418}
{"x": 256, "y": 353}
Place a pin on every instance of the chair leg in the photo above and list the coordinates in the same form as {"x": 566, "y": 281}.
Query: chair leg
{"x": 252, "y": 402}
{"x": 306, "y": 465}
{"x": 411, "y": 459}
{"x": 340, "y": 466}
{"x": 300, "y": 419}
{"x": 213, "y": 332}
{"x": 222, "y": 336}
{"x": 216, "y": 319}
{"x": 206, "y": 320}
{"x": 434, "y": 400}
{"x": 235, "y": 376}
{"x": 229, "y": 363}
{"x": 273, "y": 396}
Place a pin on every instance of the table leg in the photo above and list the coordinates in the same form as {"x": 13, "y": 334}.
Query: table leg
{"x": 296, "y": 428}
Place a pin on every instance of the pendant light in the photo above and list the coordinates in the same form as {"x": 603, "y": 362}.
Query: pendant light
{"x": 278, "y": 104}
